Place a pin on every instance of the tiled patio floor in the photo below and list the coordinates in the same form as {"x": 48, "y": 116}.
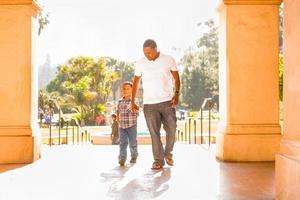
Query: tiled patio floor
{"x": 91, "y": 173}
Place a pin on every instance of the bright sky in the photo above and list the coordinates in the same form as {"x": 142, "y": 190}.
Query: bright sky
{"x": 118, "y": 28}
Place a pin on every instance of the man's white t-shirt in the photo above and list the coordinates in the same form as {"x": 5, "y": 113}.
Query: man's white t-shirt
{"x": 157, "y": 79}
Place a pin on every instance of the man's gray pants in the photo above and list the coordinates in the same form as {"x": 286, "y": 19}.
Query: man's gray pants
{"x": 155, "y": 115}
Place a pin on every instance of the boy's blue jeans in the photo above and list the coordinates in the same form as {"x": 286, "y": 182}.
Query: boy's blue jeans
{"x": 128, "y": 135}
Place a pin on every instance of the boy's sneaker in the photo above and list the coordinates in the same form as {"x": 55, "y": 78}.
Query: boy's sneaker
{"x": 133, "y": 160}
{"x": 121, "y": 162}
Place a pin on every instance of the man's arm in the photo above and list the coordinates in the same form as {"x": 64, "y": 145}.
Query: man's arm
{"x": 175, "y": 75}
{"x": 135, "y": 88}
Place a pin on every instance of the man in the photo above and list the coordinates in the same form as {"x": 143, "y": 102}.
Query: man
{"x": 160, "y": 96}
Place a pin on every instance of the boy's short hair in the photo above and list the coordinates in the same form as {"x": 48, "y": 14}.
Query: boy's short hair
{"x": 150, "y": 43}
{"x": 114, "y": 115}
{"x": 127, "y": 83}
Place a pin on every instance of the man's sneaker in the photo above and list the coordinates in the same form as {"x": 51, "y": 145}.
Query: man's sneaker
{"x": 121, "y": 162}
{"x": 133, "y": 160}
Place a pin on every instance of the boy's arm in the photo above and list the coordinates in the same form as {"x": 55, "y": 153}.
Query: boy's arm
{"x": 135, "y": 88}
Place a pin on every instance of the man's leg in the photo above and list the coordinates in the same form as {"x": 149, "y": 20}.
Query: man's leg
{"x": 132, "y": 134}
{"x": 153, "y": 120}
{"x": 169, "y": 125}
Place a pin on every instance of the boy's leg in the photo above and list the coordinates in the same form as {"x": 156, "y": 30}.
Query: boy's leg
{"x": 132, "y": 134}
{"x": 123, "y": 144}
{"x": 169, "y": 125}
{"x": 153, "y": 120}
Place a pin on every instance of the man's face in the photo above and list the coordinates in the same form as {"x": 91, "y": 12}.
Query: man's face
{"x": 150, "y": 53}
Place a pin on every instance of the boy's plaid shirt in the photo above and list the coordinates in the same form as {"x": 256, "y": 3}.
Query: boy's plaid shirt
{"x": 127, "y": 118}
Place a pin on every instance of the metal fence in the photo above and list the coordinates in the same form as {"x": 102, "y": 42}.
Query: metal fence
{"x": 67, "y": 132}
{"x": 195, "y": 134}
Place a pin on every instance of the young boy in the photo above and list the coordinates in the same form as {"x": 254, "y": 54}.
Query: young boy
{"x": 127, "y": 125}
{"x": 114, "y": 130}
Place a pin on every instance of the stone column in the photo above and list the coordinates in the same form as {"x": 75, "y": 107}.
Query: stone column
{"x": 19, "y": 133}
{"x": 249, "y": 100}
{"x": 288, "y": 161}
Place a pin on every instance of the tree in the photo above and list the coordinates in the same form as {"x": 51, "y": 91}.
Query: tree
{"x": 280, "y": 52}
{"x": 200, "y": 75}
{"x": 43, "y": 20}
{"x": 85, "y": 83}
{"x": 49, "y": 101}
{"x": 281, "y": 28}
{"x": 124, "y": 70}
{"x": 280, "y": 77}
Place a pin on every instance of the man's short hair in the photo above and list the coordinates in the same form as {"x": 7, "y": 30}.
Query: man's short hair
{"x": 127, "y": 83}
{"x": 150, "y": 43}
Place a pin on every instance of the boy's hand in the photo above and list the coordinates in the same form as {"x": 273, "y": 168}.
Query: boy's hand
{"x": 134, "y": 107}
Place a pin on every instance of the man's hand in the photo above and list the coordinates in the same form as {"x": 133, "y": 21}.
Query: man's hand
{"x": 134, "y": 107}
{"x": 174, "y": 100}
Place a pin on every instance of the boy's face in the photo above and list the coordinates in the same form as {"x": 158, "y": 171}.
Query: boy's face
{"x": 126, "y": 90}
